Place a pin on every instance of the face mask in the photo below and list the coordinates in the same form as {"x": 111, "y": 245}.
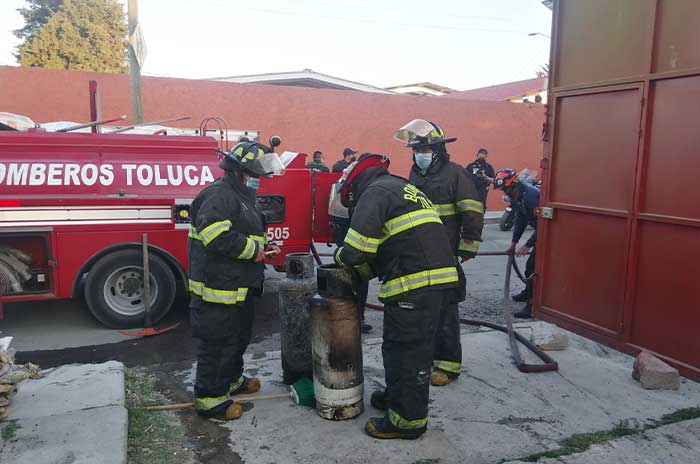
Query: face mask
{"x": 252, "y": 183}
{"x": 423, "y": 160}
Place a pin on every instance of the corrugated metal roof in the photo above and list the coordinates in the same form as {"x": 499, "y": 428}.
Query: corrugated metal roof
{"x": 304, "y": 78}
{"x": 502, "y": 91}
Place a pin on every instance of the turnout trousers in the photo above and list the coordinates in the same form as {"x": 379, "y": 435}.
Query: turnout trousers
{"x": 448, "y": 344}
{"x": 221, "y": 335}
{"x": 407, "y": 351}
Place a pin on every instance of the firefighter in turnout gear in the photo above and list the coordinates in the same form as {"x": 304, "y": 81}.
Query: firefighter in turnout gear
{"x": 461, "y": 210}
{"x": 396, "y": 234}
{"x": 226, "y": 251}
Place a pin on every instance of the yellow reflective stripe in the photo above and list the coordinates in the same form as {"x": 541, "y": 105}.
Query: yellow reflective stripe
{"x": 469, "y": 245}
{"x": 337, "y": 259}
{"x": 224, "y": 296}
{"x": 234, "y": 385}
{"x": 249, "y": 250}
{"x": 410, "y": 220}
{"x": 208, "y": 403}
{"x": 196, "y": 287}
{"x": 446, "y": 209}
{"x": 474, "y": 206}
{"x": 362, "y": 242}
{"x": 448, "y": 366}
{"x": 193, "y": 234}
{"x": 213, "y": 295}
{"x": 418, "y": 280}
{"x": 212, "y": 231}
{"x": 261, "y": 239}
{"x": 401, "y": 423}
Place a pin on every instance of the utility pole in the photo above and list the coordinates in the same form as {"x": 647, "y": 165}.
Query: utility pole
{"x": 134, "y": 66}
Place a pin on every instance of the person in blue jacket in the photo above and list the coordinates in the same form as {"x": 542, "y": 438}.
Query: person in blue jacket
{"x": 525, "y": 198}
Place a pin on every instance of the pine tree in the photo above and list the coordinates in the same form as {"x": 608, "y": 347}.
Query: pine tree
{"x": 86, "y": 35}
{"x": 36, "y": 14}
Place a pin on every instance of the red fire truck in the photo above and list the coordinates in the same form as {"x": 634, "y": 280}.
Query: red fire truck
{"x": 74, "y": 207}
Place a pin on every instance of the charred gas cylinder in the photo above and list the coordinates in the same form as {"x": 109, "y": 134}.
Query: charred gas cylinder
{"x": 337, "y": 346}
{"x": 294, "y": 294}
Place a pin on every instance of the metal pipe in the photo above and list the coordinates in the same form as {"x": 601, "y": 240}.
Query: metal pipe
{"x": 91, "y": 123}
{"x": 161, "y": 121}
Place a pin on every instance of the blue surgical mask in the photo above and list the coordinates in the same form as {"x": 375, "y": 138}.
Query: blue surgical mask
{"x": 423, "y": 160}
{"x": 252, "y": 183}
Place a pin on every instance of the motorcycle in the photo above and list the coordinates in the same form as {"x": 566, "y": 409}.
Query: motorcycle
{"x": 508, "y": 216}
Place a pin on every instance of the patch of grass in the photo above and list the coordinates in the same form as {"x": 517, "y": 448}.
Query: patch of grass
{"x": 9, "y": 432}
{"x": 678, "y": 416}
{"x": 582, "y": 441}
{"x": 155, "y": 437}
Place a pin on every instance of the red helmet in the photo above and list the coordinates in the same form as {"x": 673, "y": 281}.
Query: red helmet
{"x": 350, "y": 173}
{"x": 504, "y": 178}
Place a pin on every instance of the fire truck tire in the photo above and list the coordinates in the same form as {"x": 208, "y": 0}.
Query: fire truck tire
{"x": 114, "y": 289}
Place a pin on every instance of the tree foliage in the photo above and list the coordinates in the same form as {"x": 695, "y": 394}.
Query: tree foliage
{"x": 86, "y": 35}
{"x": 36, "y": 14}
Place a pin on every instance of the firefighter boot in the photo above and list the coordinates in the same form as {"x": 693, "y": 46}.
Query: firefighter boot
{"x": 520, "y": 297}
{"x": 244, "y": 386}
{"x": 228, "y": 410}
{"x": 380, "y": 427}
{"x": 440, "y": 378}
{"x": 378, "y": 400}
{"x": 525, "y": 313}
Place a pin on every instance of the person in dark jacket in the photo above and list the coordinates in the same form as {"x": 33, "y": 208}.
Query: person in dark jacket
{"x": 452, "y": 191}
{"x": 396, "y": 234}
{"x": 226, "y": 252}
{"x": 348, "y": 157}
{"x": 482, "y": 173}
{"x": 525, "y": 198}
{"x": 317, "y": 164}
{"x": 340, "y": 224}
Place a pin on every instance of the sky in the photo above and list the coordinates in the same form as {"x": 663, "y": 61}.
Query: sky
{"x": 462, "y": 44}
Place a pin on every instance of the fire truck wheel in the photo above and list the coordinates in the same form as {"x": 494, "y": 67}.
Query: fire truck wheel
{"x": 114, "y": 289}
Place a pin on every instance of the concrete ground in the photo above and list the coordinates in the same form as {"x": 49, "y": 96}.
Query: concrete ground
{"x": 74, "y": 414}
{"x": 674, "y": 443}
{"x": 494, "y": 413}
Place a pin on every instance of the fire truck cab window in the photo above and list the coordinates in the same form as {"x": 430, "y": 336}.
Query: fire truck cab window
{"x": 272, "y": 207}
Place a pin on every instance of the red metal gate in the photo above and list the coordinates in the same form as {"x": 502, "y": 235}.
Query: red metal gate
{"x": 620, "y": 259}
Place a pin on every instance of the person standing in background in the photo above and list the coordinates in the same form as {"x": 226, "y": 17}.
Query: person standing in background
{"x": 348, "y": 157}
{"x": 482, "y": 173}
{"x": 317, "y": 164}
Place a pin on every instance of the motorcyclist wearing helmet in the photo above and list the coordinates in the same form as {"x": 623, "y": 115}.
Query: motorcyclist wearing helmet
{"x": 461, "y": 210}
{"x": 396, "y": 234}
{"x": 226, "y": 252}
{"x": 525, "y": 198}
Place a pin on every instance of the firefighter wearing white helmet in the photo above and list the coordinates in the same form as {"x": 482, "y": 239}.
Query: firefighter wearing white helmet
{"x": 226, "y": 252}
{"x": 396, "y": 234}
{"x": 460, "y": 208}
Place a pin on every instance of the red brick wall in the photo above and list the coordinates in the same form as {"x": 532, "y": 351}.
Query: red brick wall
{"x": 307, "y": 119}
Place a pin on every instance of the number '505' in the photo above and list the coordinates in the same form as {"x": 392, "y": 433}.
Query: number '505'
{"x": 277, "y": 233}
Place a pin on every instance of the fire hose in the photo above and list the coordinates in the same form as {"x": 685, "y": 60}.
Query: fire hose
{"x": 513, "y": 336}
